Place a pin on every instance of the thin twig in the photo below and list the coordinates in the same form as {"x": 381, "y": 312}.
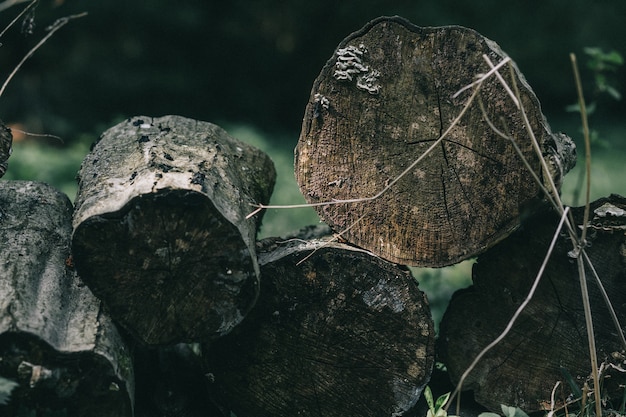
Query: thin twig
{"x": 584, "y": 121}
{"x": 335, "y": 238}
{"x": 519, "y": 310}
{"x": 517, "y": 149}
{"x": 30, "y": 6}
{"x": 504, "y": 83}
{"x": 477, "y": 84}
{"x": 533, "y": 139}
{"x": 607, "y": 301}
{"x": 582, "y": 242}
{"x": 483, "y": 77}
{"x": 53, "y": 28}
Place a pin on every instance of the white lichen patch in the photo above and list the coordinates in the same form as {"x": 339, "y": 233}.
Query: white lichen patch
{"x": 321, "y": 101}
{"x": 608, "y": 209}
{"x": 351, "y": 66}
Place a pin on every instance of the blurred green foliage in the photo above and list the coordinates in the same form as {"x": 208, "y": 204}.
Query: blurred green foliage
{"x": 254, "y": 62}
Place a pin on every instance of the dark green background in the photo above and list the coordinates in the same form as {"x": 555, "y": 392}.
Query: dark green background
{"x": 253, "y": 62}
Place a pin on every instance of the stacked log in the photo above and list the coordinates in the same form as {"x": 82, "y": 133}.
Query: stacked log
{"x": 160, "y": 228}
{"x": 548, "y": 342}
{"x": 404, "y": 169}
{"x": 385, "y": 97}
{"x": 58, "y": 346}
{"x": 337, "y": 331}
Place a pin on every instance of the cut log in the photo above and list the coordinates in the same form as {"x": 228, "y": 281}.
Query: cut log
{"x": 549, "y": 339}
{"x": 383, "y": 99}
{"x": 56, "y": 342}
{"x": 160, "y": 233}
{"x": 339, "y": 333}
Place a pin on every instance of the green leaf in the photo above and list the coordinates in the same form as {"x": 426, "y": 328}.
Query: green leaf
{"x": 571, "y": 382}
{"x": 488, "y": 414}
{"x": 575, "y": 108}
{"x": 429, "y": 399}
{"x": 613, "y": 92}
{"x": 512, "y": 411}
{"x": 441, "y": 401}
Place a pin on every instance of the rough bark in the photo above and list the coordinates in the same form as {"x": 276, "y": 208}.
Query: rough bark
{"x": 6, "y": 142}
{"x": 550, "y": 334}
{"x": 379, "y": 103}
{"x": 55, "y": 340}
{"x": 342, "y": 333}
{"x": 160, "y": 233}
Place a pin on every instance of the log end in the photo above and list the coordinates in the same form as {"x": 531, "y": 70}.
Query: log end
{"x": 169, "y": 267}
{"x": 340, "y": 333}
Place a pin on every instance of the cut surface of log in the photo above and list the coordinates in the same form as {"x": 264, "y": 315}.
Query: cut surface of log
{"x": 56, "y": 341}
{"x": 549, "y": 339}
{"x": 160, "y": 233}
{"x": 342, "y": 333}
{"x": 384, "y": 98}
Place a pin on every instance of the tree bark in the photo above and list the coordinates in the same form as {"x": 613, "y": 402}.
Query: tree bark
{"x": 56, "y": 341}
{"x": 550, "y": 334}
{"x": 6, "y": 142}
{"x": 339, "y": 333}
{"x": 160, "y": 233}
{"x": 384, "y": 98}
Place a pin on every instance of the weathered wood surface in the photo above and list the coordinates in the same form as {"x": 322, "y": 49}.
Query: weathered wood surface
{"x": 160, "y": 233}
{"x": 55, "y": 339}
{"x": 342, "y": 333}
{"x": 550, "y": 334}
{"x": 6, "y": 142}
{"x": 385, "y": 97}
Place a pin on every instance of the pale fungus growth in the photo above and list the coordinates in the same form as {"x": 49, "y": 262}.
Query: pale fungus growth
{"x": 350, "y": 65}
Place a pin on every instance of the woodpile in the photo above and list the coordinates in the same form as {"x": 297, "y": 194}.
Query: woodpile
{"x": 152, "y": 296}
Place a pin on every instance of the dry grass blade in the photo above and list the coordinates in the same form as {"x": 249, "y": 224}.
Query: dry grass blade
{"x": 52, "y": 29}
{"x": 22, "y": 13}
{"x": 476, "y": 85}
{"x": 582, "y": 242}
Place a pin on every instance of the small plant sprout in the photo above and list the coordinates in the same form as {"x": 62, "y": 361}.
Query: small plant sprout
{"x": 436, "y": 408}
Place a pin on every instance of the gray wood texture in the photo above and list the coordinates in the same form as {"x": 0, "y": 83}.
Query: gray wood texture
{"x": 160, "y": 233}
{"x": 56, "y": 340}
{"x": 383, "y": 98}
{"x": 341, "y": 333}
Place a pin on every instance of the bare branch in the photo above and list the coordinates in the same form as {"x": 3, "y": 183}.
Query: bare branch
{"x": 52, "y": 29}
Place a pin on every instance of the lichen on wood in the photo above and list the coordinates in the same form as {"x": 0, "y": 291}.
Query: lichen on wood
{"x": 160, "y": 228}
{"x": 56, "y": 341}
{"x": 389, "y": 94}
